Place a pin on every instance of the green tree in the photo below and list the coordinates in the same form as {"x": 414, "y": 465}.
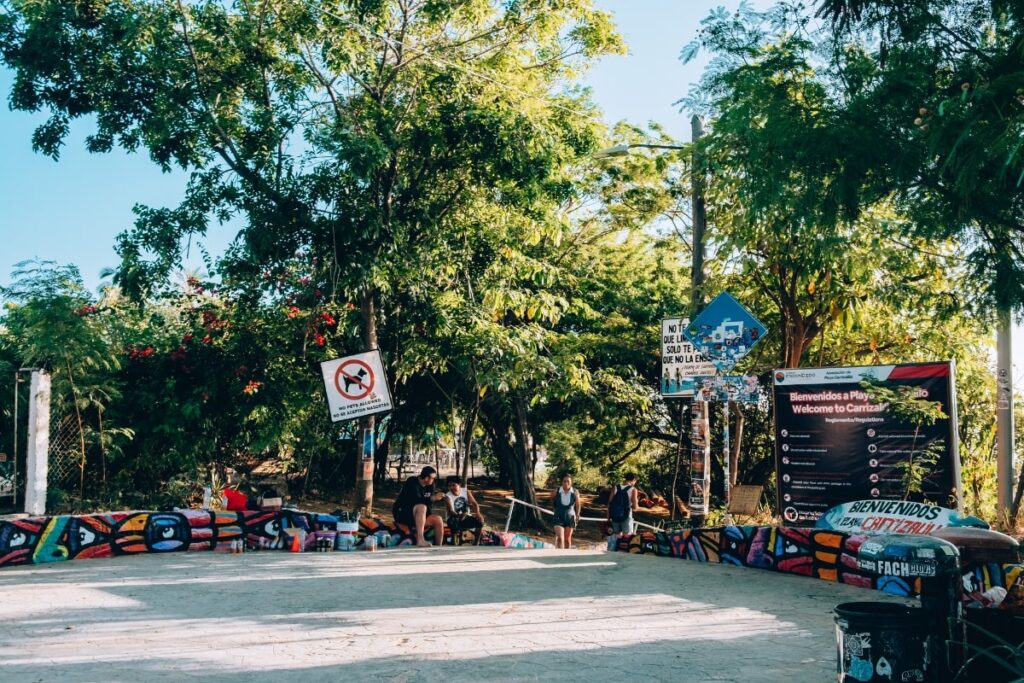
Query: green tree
{"x": 371, "y": 136}
{"x": 52, "y": 322}
{"x": 942, "y": 95}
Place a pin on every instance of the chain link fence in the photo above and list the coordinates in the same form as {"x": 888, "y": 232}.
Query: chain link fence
{"x": 65, "y": 457}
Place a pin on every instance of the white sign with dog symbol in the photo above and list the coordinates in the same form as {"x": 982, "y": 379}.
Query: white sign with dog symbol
{"x": 356, "y": 386}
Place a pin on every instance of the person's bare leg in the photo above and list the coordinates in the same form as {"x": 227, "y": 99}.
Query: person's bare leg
{"x": 558, "y": 537}
{"x": 419, "y": 515}
{"x": 568, "y": 537}
{"x": 438, "y": 525}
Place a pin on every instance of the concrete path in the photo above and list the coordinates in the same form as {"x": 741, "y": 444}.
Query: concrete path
{"x": 459, "y": 614}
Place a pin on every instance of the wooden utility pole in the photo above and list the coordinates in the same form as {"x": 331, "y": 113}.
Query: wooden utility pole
{"x": 699, "y": 218}
{"x": 697, "y": 263}
{"x": 1004, "y": 415}
{"x": 364, "y": 466}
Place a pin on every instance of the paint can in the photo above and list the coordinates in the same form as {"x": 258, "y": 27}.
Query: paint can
{"x": 347, "y": 535}
{"x": 370, "y": 543}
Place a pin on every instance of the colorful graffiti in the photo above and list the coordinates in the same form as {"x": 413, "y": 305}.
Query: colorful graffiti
{"x": 818, "y": 553}
{"x": 37, "y": 540}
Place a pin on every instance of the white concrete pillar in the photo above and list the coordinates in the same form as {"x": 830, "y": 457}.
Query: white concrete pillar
{"x": 37, "y": 456}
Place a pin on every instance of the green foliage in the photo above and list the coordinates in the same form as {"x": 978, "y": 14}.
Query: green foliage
{"x": 942, "y": 96}
{"x": 904, "y": 404}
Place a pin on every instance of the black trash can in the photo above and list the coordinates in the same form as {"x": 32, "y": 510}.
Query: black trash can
{"x": 892, "y": 642}
{"x": 882, "y": 641}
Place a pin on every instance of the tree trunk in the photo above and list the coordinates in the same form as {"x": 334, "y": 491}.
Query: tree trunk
{"x": 734, "y": 455}
{"x": 502, "y": 451}
{"x": 468, "y": 427}
{"x": 522, "y": 483}
{"x": 456, "y": 441}
{"x": 515, "y": 458}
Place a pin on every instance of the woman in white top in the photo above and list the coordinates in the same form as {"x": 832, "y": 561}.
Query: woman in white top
{"x": 567, "y": 512}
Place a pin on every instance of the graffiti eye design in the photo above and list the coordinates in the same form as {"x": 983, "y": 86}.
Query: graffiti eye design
{"x": 85, "y": 537}
{"x": 273, "y": 527}
{"x": 791, "y": 549}
{"x": 17, "y": 538}
{"x": 168, "y": 532}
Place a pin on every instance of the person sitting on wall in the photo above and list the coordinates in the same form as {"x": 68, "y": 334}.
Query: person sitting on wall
{"x": 412, "y": 507}
{"x": 463, "y": 510}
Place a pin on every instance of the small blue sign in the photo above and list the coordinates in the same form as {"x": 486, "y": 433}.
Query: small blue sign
{"x": 725, "y": 332}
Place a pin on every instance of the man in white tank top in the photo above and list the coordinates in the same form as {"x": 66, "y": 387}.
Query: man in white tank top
{"x": 463, "y": 510}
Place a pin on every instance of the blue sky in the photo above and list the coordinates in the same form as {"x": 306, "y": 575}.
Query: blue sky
{"x": 70, "y": 211}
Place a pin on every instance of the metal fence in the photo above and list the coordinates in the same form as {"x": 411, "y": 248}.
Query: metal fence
{"x": 65, "y": 456}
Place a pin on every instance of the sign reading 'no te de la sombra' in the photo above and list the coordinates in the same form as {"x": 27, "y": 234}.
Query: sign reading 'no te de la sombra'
{"x": 835, "y": 443}
{"x": 356, "y": 386}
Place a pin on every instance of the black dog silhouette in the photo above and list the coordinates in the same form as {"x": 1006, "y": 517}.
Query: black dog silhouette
{"x": 357, "y": 379}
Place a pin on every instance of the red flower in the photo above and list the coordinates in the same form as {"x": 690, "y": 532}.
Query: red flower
{"x": 207, "y": 339}
{"x": 187, "y": 338}
{"x": 316, "y": 293}
{"x": 252, "y": 387}
{"x": 328, "y": 318}
{"x": 147, "y": 352}
{"x": 293, "y": 311}
{"x": 319, "y": 339}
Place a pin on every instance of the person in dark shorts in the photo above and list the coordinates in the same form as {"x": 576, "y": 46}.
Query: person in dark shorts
{"x": 567, "y": 512}
{"x": 463, "y": 510}
{"x": 412, "y": 507}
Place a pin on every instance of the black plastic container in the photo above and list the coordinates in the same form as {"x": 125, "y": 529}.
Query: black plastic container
{"x": 883, "y": 641}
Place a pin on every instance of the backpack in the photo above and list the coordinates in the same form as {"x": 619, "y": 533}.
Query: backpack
{"x": 620, "y": 507}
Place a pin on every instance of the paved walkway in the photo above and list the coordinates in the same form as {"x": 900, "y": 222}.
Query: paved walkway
{"x": 459, "y": 614}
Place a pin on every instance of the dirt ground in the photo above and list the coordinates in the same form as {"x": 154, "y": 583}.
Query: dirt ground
{"x": 494, "y": 506}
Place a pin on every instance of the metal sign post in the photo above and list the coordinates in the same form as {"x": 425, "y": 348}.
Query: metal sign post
{"x": 726, "y": 332}
{"x": 725, "y": 457}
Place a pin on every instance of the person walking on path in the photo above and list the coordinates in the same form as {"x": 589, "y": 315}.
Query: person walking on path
{"x": 621, "y": 505}
{"x": 412, "y": 507}
{"x": 567, "y": 511}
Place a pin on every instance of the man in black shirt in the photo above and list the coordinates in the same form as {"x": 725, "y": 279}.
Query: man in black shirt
{"x": 412, "y": 507}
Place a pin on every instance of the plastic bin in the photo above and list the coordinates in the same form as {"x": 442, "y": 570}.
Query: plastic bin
{"x": 347, "y": 535}
{"x": 882, "y": 641}
{"x": 934, "y": 653}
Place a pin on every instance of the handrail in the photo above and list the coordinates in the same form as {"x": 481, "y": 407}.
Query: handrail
{"x": 508, "y": 521}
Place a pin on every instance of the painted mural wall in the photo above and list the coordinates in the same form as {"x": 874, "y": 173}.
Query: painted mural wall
{"x": 36, "y": 540}
{"x": 818, "y": 553}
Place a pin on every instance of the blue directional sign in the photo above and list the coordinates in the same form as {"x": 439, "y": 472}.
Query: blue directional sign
{"x": 725, "y": 332}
